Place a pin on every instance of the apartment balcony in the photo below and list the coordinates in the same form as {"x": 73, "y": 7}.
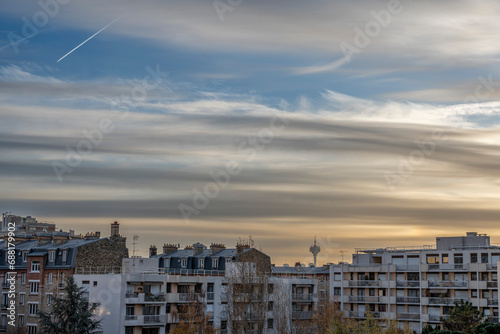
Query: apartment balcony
{"x": 182, "y": 297}
{"x": 303, "y": 297}
{"x": 408, "y": 284}
{"x": 447, "y": 284}
{"x": 442, "y": 301}
{"x": 404, "y": 267}
{"x": 492, "y": 302}
{"x": 492, "y": 284}
{"x": 436, "y": 317}
{"x": 409, "y": 316}
{"x": 364, "y": 283}
{"x": 364, "y": 299}
{"x": 363, "y": 315}
{"x": 408, "y": 300}
{"x": 492, "y": 319}
{"x": 140, "y": 298}
{"x": 302, "y": 315}
{"x": 144, "y": 320}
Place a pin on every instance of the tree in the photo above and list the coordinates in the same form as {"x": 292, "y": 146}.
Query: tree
{"x": 247, "y": 284}
{"x": 463, "y": 318}
{"x": 71, "y": 314}
{"x": 193, "y": 318}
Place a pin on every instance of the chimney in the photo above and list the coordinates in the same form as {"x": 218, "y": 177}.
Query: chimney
{"x": 169, "y": 248}
{"x": 215, "y": 248}
{"x": 43, "y": 239}
{"x": 152, "y": 250}
{"x": 240, "y": 248}
{"x": 115, "y": 229}
{"x": 297, "y": 265}
{"x": 198, "y": 248}
{"x": 98, "y": 234}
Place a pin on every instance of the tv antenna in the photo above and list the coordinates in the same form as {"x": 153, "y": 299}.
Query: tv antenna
{"x": 342, "y": 255}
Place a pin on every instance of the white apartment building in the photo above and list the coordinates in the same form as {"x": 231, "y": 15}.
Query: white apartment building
{"x": 419, "y": 285}
{"x": 147, "y": 298}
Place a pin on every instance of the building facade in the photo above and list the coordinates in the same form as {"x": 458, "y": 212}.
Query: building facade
{"x": 419, "y": 285}
{"x": 152, "y": 295}
{"x": 42, "y": 262}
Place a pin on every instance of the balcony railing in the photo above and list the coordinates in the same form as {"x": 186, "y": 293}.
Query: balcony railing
{"x": 303, "y": 296}
{"x": 492, "y": 284}
{"x": 357, "y": 315}
{"x": 154, "y": 297}
{"x": 492, "y": 302}
{"x": 301, "y": 315}
{"x": 408, "y": 316}
{"x": 364, "y": 283}
{"x": 436, "y": 317}
{"x": 448, "y": 284}
{"x": 131, "y": 295}
{"x": 146, "y": 319}
{"x": 442, "y": 301}
{"x": 408, "y": 300}
{"x": 186, "y": 297}
{"x": 408, "y": 284}
{"x": 367, "y": 299}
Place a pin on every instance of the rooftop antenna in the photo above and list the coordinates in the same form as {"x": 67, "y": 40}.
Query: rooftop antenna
{"x": 342, "y": 255}
{"x": 136, "y": 237}
{"x": 314, "y": 249}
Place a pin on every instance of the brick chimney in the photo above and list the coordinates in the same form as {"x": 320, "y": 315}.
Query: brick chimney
{"x": 152, "y": 250}
{"x": 215, "y": 248}
{"x": 169, "y": 248}
{"x": 198, "y": 248}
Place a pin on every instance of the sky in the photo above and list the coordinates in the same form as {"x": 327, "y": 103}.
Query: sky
{"x": 365, "y": 123}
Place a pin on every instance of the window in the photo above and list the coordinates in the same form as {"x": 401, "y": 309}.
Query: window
{"x": 129, "y": 310}
{"x": 34, "y": 287}
{"x": 95, "y": 283}
{"x": 64, "y": 255}
{"x": 184, "y": 263}
{"x": 486, "y": 294}
{"x": 215, "y": 263}
{"x": 63, "y": 276}
{"x": 35, "y": 266}
{"x": 52, "y": 256}
{"x": 31, "y": 329}
{"x": 473, "y": 258}
{"x": 473, "y": 293}
{"x": 484, "y": 258}
{"x": 473, "y": 276}
{"x": 270, "y": 306}
{"x": 433, "y": 259}
{"x": 201, "y": 263}
{"x": 23, "y": 278}
{"x": 129, "y": 330}
{"x": 270, "y": 323}
{"x": 21, "y": 320}
{"x": 228, "y": 260}
{"x": 49, "y": 299}
{"x": 336, "y": 291}
{"x": 484, "y": 276}
{"x": 270, "y": 288}
{"x": 25, "y": 256}
{"x": 21, "y": 299}
{"x": 51, "y": 278}
{"x": 5, "y": 299}
{"x": 33, "y": 309}
{"x": 336, "y": 277}
{"x": 445, "y": 258}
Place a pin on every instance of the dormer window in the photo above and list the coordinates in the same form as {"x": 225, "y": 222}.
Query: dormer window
{"x": 184, "y": 263}
{"x": 52, "y": 256}
{"x": 201, "y": 263}
{"x": 35, "y": 266}
{"x": 64, "y": 255}
{"x": 25, "y": 256}
{"x": 215, "y": 263}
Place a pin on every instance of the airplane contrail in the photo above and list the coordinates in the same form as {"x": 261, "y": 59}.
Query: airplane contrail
{"x": 85, "y": 41}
